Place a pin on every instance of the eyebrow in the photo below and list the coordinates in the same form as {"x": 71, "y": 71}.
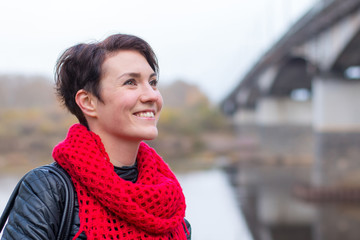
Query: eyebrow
{"x": 135, "y": 75}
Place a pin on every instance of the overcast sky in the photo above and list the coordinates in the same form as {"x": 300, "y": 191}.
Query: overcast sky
{"x": 208, "y": 43}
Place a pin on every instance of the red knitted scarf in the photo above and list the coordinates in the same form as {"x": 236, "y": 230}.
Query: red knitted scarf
{"x": 113, "y": 208}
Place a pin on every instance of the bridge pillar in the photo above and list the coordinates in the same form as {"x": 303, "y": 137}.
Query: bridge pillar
{"x": 247, "y": 135}
{"x": 337, "y": 132}
{"x": 337, "y": 154}
{"x": 285, "y": 129}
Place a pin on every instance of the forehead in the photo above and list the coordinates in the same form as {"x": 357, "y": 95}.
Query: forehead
{"x": 125, "y": 61}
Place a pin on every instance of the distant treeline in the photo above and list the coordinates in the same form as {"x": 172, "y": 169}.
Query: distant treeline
{"x": 18, "y": 91}
{"x": 32, "y": 122}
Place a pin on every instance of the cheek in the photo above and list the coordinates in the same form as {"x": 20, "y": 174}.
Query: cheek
{"x": 160, "y": 102}
{"x": 126, "y": 101}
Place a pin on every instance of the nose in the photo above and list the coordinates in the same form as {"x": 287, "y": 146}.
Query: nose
{"x": 149, "y": 94}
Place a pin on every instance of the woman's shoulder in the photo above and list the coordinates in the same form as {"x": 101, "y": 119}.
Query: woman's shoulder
{"x": 42, "y": 173}
{"x": 39, "y": 198}
{"x": 44, "y": 182}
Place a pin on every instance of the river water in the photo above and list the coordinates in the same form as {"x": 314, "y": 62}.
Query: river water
{"x": 211, "y": 206}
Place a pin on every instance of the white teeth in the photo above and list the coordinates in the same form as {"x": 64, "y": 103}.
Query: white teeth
{"x": 146, "y": 114}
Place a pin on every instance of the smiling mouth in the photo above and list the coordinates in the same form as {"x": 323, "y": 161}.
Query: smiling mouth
{"x": 145, "y": 114}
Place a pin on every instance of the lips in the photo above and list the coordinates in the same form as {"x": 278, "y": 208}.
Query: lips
{"x": 145, "y": 114}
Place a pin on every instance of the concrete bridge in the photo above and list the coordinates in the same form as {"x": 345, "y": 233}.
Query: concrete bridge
{"x": 300, "y": 105}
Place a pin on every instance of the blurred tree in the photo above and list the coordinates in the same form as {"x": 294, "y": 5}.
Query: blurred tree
{"x": 186, "y": 119}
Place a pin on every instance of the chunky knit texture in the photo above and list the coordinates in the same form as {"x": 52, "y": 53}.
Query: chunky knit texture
{"x": 113, "y": 208}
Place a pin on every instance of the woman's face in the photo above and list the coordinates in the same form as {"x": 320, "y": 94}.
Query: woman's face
{"x": 131, "y": 102}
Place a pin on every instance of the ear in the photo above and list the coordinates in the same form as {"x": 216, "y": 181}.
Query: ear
{"x": 86, "y": 102}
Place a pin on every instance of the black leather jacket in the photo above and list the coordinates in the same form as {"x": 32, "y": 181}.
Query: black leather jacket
{"x": 39, "y": 206}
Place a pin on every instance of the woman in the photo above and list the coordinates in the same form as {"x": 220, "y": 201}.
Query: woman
{"x": 124, "y": 190}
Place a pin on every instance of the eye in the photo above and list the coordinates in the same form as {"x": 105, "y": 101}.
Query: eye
{"x": 153, "y": 82}
{"x": 130, "y": 82}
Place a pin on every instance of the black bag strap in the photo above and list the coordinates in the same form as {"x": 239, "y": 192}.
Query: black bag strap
{"x": 66, "y": 220}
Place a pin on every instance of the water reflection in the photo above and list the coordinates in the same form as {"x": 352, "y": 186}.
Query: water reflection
{"x": 337, "y": 221}
{"x": 212, "y": 208}
{"x": 274, "y": 212}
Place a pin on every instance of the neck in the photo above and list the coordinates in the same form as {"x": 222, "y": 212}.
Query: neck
{"x": 121, "y": 152}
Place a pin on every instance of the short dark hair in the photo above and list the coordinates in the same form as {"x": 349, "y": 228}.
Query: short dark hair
{"x": 80, "y": 67}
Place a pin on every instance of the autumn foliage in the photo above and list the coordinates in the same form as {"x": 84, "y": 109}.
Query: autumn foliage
{"x": 32, "y": 122}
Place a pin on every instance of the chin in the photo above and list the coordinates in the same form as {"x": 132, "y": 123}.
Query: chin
{"x": 151, "y": 135}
